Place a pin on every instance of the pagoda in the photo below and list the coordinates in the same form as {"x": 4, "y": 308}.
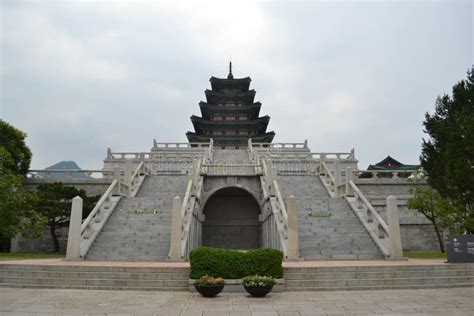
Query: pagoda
{"x": 230, "y": 116}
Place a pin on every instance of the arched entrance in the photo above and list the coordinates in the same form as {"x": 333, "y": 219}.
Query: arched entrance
{"x": 231, "y": 220}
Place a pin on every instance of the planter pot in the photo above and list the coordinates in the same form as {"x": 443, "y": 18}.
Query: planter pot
{"x": 258, "y": 291}
{"x": 209, "y": 290}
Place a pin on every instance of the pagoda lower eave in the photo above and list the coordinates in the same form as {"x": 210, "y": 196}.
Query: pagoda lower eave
{"x": 202, "y": 125}
{"x": 230, "y": 139}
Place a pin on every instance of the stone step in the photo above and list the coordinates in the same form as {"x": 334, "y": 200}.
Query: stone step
{"x": 96, "y": 275}
{"x": 377, "y": 275}
{"x": 94, "y": 282}
{"x": 292, "y": 284}
{"x": 101, "y": 277}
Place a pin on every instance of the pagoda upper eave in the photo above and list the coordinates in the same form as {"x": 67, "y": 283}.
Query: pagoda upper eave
{"x": 215, "y": 97}
{"x": 240, "y": 84}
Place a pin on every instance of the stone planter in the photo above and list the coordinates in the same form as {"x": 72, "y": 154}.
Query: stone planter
{"x": 209, "y": 290}
{"x": 258, "y": 291}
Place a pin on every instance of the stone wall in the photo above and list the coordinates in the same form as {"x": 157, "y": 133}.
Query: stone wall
{"x": 44, "y": 243}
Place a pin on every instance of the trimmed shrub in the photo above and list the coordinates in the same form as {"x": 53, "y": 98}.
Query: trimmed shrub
{"x": 235, "y": 264}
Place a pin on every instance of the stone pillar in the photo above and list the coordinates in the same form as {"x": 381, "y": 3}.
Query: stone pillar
{"x": 14, "y": 243}
{"x": 349, "y": 190}
{"x": 394, "y": 237}
{"x": 176, "y": 224}
{"x": 117, "y": 177}
{"x": 293, "y": 241}
{"x": 74, "y": 236}
{"x": 322, "y": 159}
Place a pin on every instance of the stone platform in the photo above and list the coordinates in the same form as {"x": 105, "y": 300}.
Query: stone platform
{"x": 173, "y": 276}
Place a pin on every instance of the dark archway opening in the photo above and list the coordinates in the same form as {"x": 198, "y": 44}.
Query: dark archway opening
{"x": 231, "y": 220}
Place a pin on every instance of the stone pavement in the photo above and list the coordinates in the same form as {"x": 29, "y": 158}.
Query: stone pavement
{"x": 456, "y": 301}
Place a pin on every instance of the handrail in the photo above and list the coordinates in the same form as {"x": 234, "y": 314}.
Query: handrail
{"x": 187, "y": 195}
{"x": 99, "y": 204}
{"x": 361, "y": 196}
{"x": 136, "y": 172}
{"x": 283, "y": 211}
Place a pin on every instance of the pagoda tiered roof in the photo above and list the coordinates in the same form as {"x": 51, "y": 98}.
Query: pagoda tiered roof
{"x": 208, "y": 110}
{"x": 221, "y": 84}
{"x": 204, "y": 125}
{"x": 215, "y": 97}
{"x": 230, "y": 116}
{"x": 230, "y": 139}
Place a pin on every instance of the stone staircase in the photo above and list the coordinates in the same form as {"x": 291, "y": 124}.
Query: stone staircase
{"x": 94, "y": 277}
{"x": 345, "y": 278}
{"x": 339, "y": 236}
{"x": 140, "y": 227}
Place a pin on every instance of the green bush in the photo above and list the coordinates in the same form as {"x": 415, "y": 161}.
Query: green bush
{"x": 235, "y": 264}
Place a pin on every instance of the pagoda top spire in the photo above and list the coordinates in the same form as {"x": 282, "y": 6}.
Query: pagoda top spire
{"x": 230, "y": 75}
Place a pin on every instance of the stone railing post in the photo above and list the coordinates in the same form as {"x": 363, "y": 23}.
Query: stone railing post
{"x": 337, "y": 177}
{"x": 322, "y": 158}
{"x": 117, "y": 177}
{"x": 176, "y": 225}
{"x": 349, "y": 175}
{"x": 293, "y": 241}
{"x": 394, "y": 237}
{"x": 74, "y": 235}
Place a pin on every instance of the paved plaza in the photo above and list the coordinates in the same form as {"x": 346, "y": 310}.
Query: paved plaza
{"x": 456, "y": 301}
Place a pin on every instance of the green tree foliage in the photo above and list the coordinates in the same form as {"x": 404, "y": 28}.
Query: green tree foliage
{"x": 437, "y": 210}
{"x": 53, "y": 201}
{"x": 13, "y": 141}
{"x": 448, "y": 155}
{"x": 16, "y": 214}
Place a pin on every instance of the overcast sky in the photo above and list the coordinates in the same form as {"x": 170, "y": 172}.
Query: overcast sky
{"x": 80, "y": 76}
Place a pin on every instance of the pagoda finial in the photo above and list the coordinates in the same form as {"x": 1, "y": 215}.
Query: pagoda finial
{"x": 230, "y": 76}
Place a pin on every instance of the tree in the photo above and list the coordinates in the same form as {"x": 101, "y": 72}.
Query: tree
{"x": 13, "y": 141}
{"x": 448, "y": 154}
{"x": 440, "y": 212}
{"x": 54, "y": 203}
{"x": 16, "y": 214}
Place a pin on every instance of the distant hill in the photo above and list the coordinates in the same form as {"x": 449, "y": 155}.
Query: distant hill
{"x": 64, "y": 165}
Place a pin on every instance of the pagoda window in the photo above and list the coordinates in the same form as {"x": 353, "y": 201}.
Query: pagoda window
{"x": 217, "y": 117}
{"x": 243, "y": 118}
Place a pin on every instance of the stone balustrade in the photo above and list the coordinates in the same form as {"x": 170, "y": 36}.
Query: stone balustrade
{"x": 68, "y": 173}
{"x": 383, "y": 174}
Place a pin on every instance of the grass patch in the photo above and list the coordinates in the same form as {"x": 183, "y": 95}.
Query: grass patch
{"x": 30, "y": 255}
{"x": 425, "y": 254}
